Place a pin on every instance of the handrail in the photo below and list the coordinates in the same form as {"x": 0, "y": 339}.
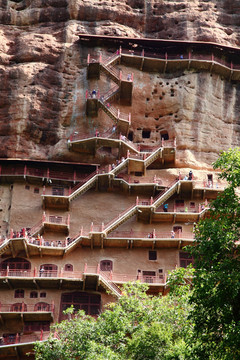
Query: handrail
{"x": 184, "y": 57}
{"x": 23, "y": 307}
{"x": 150, "y": 235}
{"x": 24, "y": 338}
{"x": 121, "y": 215}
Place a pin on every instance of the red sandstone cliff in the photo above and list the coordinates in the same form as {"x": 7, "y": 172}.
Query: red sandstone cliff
{"x": 43, "y": 76}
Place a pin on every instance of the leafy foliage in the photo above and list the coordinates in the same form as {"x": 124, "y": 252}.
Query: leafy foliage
{"x": 216, "y": 290}
{"x": 138, "y": 326}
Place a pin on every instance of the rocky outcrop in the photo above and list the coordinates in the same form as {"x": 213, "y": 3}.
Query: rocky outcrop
{"x": 43, "y": 75}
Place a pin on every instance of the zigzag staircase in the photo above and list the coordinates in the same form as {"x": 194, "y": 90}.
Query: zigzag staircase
{"x": 81, "y": 189}
{"x": 4, "y": 246}
{"x": 127, "y": 214}
{"x": 165, "y": 195}
{"x": 151, "y": 158}
{"x": 109, "y": 285}
{"x": 112, "y": 73}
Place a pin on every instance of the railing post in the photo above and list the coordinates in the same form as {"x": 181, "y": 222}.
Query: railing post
{"x": 85, "y": 268}
{"x": 102, "y": 227}
{"x": 41, "y": 335}
{"x": 25, "y": 171}
{"x": 109, "y": 168}
{"x": 7, "y": 272}
{"x": 74, "y": 176}
{"x": 98, "y": 268}
{"x": 11, "y": 233}
{"x": 151, "y": 200}
{"x": 199, "y": 208}
{"x": 111, "y": 275}
{"x": 128, "y": 154}
{"x": 174, "y": 142}
{"x": 91, "y": 228}
{"x": 212, "y": 57}
{"x": 68, "y": 220}
{"x": 53, "y": 306}
{"x": 100, "y": 57}
{"x": 154, "y": 233}
{"x": 22, "y": 306}
{"x": 88, "y": 59}
{"x": 44, "y": 190}
{"x": 81, "y": 233}
{"x": 47, "y": 173}
{"x": 142, "y": 54}
{"x": 17, "y": 338}
{"x": 44, "y": 217}
{"x": 166, "y": 57}
{"x": 129, "y": 118}
{"x": 120, "y": 50}
{"x": 162, "y": 142}
{"x": 120, "y": 75}
{"x": 35, "y": 272}
{"x": 189, "y": 55}
{"x": 97, "y": 169}
{"x": 118, "y": 113}
{"x": 206, "y": 202}
{"x": 137, "y": 200}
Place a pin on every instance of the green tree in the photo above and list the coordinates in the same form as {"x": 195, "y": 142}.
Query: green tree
{"x": 136, "y": 327}
{"x": 216, "y": 284}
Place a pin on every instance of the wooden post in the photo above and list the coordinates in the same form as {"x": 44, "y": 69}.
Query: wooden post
{"x": 98, "y": 268}
{"x": 137, "y": 200}
{"x": 25, "y": 171}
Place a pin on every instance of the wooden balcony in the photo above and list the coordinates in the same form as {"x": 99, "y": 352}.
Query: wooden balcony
{"x": 24, "y": 312}
{"x": 16, "y": 346}
{"x": 56, "y": 223}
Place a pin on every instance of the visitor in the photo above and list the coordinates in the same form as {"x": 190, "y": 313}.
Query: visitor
{"x": 165, "y": 207}
{"x": 172, "y": 234}
{"x": 190, "y": 175}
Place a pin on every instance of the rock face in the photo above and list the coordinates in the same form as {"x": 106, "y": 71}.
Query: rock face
{"x": 43, "y": 75}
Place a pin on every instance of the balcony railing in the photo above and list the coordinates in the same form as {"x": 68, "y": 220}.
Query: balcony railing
{"x": 61, "y": 274}
{"x": 22, "y": 307}
{"x": 24, "y": 338}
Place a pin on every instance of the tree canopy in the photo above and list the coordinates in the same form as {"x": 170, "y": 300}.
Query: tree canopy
{"x": 216, "y": 284}
{"x": 138, "y": 326}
